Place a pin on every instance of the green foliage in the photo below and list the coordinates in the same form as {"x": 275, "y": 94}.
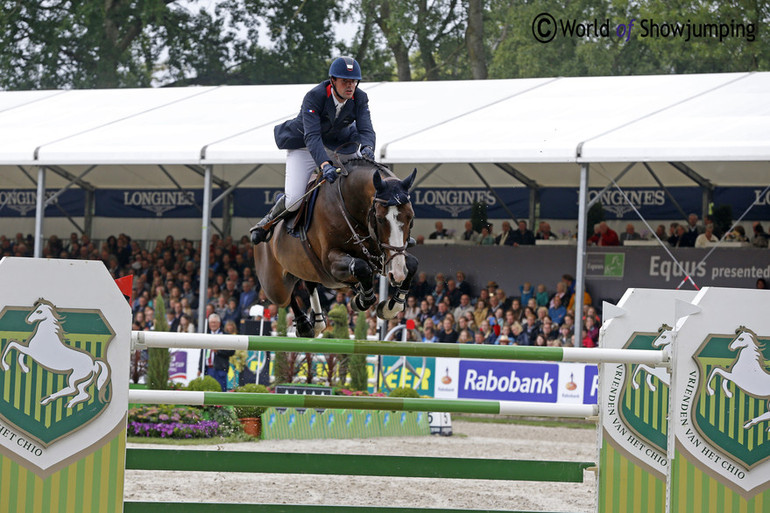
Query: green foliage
{"x": 595, "y": 215}
{"x": 404, "y": 392}
{"x": 224, "y": 416}
{"x": 479, "y": 216}
{"x": 723, "y": 219}
{"x": 243, "y": 412}
{"x": 164, "y": 413}
{"x": 204, "y": 384}
{"x": 359, "y": 376}
{"x": 159, "y": 357}
{"x": 336, "y": 365}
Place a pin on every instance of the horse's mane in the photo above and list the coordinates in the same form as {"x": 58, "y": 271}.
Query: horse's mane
{"x": 355, "y": 162}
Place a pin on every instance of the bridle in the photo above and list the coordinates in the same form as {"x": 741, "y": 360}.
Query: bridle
{"x": 377, "y": 262}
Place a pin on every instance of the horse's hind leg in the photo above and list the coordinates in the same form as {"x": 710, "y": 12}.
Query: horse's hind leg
{"x": 319, "y": 322}
{"x": 301, "y": 320}
{"x": 82, "y": 395}
{"x": 74, "y": 381}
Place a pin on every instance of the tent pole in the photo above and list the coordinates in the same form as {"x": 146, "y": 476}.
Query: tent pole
{"x": 205, "y": 226}
{"x": 580, "y": 270}
{"x": 39, "y": 212}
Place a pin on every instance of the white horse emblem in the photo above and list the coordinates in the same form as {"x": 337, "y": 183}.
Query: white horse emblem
{"x": 663, "y": 339}
{"x": 46, "y": 346}
{"x": 748, "y": 372}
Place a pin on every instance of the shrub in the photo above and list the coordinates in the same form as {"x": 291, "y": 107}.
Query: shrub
{"x": 204, "y": 384}
{"x": 404, "y": 392}
{"x": 243, "y": 412}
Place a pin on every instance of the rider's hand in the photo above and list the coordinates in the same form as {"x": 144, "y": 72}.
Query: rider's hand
{"x": 329, "y": 172}
{"x": 368, "y": 152}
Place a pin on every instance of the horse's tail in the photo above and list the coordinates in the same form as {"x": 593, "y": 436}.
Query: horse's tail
{"x": 102, "y": 376}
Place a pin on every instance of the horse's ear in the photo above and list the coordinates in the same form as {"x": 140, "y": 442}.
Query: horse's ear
{"x": 409, "y": 180}
{"x": 377, "y": 180}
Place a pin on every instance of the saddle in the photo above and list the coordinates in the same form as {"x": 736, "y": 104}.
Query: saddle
{"x": 298, "y": 223}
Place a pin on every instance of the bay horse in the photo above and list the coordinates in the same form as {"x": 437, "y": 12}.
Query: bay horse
{"x": 360, "y": 229}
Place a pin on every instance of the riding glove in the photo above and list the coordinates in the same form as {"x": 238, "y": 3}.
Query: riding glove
{"x": 368, "y": 152}
{"x": 329, "y": 173}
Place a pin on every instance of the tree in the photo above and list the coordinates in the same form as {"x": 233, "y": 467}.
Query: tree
{"x": 159, "y": 357}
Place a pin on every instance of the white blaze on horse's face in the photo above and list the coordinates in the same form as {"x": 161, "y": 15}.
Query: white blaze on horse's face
{"x": 396, "y": 268}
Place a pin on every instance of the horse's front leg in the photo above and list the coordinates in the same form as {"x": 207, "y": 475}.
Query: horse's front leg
{"x": 18, "y": 347}
{"x": 22, "y": 364}
{"x": 391, "y": 307}
{"x": 717, "y": 371}
{"x": 345, "y": 268}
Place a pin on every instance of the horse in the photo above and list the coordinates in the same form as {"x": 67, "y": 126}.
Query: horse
{"x": 46, "y": 347}
{"x": 360, "y": 229}
{"x": 747, "y": 373}
{"x": 662, "y": 340}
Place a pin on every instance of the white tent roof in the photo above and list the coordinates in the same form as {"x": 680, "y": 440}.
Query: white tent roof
{"x": 718, "y": 120}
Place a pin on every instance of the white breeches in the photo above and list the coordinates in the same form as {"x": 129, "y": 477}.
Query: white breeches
{"x": 299, "y": 166}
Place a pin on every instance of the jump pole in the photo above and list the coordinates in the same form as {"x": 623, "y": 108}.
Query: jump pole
{"x": 142, "y": 339}
{"x": 362, "y": 403}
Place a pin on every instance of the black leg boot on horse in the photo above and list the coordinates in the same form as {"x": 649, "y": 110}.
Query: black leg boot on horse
{"x": 263, "y": 230}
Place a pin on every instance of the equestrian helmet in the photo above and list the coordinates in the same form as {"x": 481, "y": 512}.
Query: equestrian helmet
{"x": 345, "y": 67}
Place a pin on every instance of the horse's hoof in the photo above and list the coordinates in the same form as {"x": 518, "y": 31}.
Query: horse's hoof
{"x": 258, "y": 235}
{"x": 385, "y": 313}
{"x": 360, "y": 304}
{"x": 305, "y": 327}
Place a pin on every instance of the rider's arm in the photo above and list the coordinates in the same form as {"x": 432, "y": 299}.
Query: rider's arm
{"x": 312, "y": 109}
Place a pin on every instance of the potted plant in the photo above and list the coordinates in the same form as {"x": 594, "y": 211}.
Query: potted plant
{"x": 251, "y": 416}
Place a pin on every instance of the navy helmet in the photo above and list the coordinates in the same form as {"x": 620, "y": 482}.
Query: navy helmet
{"x": 345, "y": 67}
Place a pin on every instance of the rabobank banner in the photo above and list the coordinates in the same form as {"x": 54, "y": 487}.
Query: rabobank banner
{"x": 516, "y": 381}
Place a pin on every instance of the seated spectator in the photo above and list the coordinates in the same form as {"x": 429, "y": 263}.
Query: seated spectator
{"x": 232, "y": 312}
{"x": 462, "y": 284}
{"x": 531, "y": 328}
{"x": 548, "y": 329}
{"x": 660, "y": 232}
{"x": 465, "y": 337}
{"x": 565, "y": 337}
{"x": 544, "y": 232}
{"x": 540, "y": 340}
{"x": 518, "y": 335}
{"x": 737, "y": 235}
{"x": 691, "y": 232}
{"x": 447, "y": 334}
{"x": 542, "y": 295}
{"x": 428, "y": 335}
{"x": 515, "y": 312}
{"x": 506, "y": 235}
{"x": 469, "y": 234}
{"x": 424, "y": 312}
{"x": 487, "y": 333}
{"x": 464, "y": 306}
{"x": 185, "y": 324}
{"x": 523, "y": 236}
{"x": 464, "y": 325}
{"x": 442, "y": 310}
{"x": 420, "y": 287}
{"x": 478, "y": 338}
{"x": 486, "y": 238}
{"x": 629, "y": 234}
{"x": 505, "y": 337}
{"x": 411, "y": 310}
{"x": 526, "y": 292}
{"x": 590, "y": 332}
{"x": 569, "y": 323}
{"x": 604, "y": 236}
{"x": 707, "y": 238}
{"x": 481, "y": 312}
{"x": 557, "y": 311}
{"x": 440, "y": 233}
{"x": 453, "y": 293}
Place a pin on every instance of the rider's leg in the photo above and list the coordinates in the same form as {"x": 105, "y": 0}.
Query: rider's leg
{"x": 299, "y": 167}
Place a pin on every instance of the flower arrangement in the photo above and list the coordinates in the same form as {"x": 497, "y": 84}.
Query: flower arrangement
{"x": 165, "y": 421}
{"x": 240, "y": 359}
{"x": 357, "y": 393}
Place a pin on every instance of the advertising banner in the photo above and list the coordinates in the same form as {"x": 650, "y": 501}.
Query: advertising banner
{"x": 22, "y": 203}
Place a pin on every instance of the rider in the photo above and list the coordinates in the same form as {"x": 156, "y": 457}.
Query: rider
{"x": 330, "y": 116}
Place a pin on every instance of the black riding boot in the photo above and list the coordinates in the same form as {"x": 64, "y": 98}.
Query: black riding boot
{"x": 258, "y": 232}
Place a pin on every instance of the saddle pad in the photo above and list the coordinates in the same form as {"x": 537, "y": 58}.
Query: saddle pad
{"x": 299, "y": 223}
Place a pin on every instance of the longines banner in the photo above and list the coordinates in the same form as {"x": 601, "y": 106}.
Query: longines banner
{"x": 22, "y": 202}
{"x": 431, "y": 203}
{"x": 153, "y": 203}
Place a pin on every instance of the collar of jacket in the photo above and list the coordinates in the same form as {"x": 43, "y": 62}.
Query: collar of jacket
{"x": 329, "y": 91}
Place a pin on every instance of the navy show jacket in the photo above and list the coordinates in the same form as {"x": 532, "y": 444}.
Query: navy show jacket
{"x": 316, "y": 126}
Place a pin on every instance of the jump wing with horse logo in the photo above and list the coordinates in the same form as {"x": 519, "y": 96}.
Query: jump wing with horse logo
{"x": 61, "y": 365}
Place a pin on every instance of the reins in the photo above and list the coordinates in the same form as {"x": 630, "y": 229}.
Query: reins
{"x": 376, "y": 262}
